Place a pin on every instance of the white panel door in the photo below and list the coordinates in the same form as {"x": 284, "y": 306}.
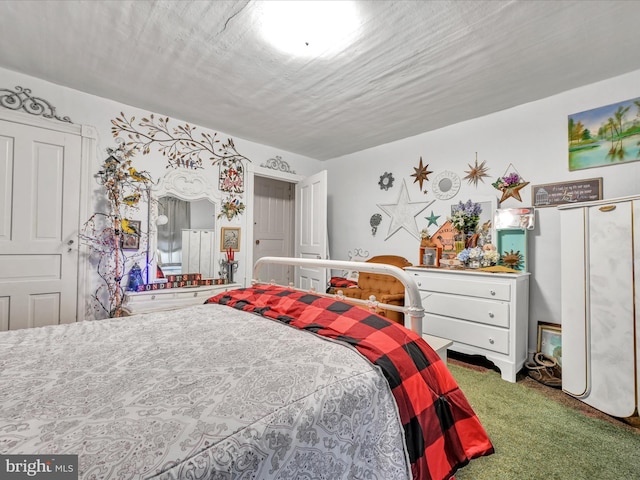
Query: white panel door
{"x": 311, "y": 230}
{"x": 39, "y": 211}
{"x": 273, "y": 225}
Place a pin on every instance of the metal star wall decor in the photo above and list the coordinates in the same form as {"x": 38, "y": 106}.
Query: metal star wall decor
{"x": 433, "y": 219}
{"x": 403, "y": 213}
{"x": 421, "y": 173}
{"x": 513, "y": 191}
{"x": 476, "y": 172}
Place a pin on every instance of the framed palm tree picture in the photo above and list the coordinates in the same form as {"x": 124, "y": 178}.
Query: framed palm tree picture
{"x": 607, "y": 135}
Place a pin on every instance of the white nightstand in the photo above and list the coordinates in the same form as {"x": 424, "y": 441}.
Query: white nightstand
{"x": 171, "y": 298}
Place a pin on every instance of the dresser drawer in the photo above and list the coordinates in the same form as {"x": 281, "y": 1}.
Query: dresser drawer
{"x": 187, "y": 295}
{"x": 474, "y": 309}
{"x": 481, "y": 288}
{"x": 477, "y": 335}
{"x": 170, "y": 298}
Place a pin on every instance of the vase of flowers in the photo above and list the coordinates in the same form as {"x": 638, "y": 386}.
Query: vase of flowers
{"x": 476, "y": 257}
{"x": 465, "y": 216}
{"x": 459, "y": 242}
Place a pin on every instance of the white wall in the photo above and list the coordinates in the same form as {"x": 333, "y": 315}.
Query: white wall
{"x": 533, "y": 137}
{"x": 98, "y": 112}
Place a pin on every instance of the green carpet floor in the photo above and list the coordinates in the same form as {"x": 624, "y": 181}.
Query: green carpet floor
{"x": 538, "y": 438}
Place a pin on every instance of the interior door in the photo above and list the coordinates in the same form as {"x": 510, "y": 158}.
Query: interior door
{"x": 39, "y": 212}
{"x": 311, "y": 230}
{"x": 273, "y": 227}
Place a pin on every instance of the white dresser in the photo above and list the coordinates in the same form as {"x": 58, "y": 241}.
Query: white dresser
{"x": 600, "y": 264}
{"x": 482, "y": 313}
{"x": 155, "y": 300}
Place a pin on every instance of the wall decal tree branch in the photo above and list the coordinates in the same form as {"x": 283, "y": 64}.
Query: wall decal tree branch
{"x": 181, "y": 145}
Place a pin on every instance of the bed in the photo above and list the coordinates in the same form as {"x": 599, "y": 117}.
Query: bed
{"x": 264, "y": 382}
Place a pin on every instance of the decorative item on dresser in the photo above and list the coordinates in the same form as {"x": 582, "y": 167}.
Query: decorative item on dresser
{"x": 600, "y": 262}
{"x": 482, "y": 313}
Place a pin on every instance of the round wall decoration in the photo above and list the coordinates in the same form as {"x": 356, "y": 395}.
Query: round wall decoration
{"x": 386, "y": 181}
{"x": 445, "y": 185}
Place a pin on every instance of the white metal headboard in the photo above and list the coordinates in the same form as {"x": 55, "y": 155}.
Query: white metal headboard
{"x": 413, "y": 303}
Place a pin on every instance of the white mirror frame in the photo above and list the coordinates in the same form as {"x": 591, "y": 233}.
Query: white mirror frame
{"x": 183, "y": 184}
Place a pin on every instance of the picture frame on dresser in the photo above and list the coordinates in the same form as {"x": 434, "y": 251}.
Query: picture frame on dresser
{"x": 550, "y": 340}
{"x": 430, "y": 257}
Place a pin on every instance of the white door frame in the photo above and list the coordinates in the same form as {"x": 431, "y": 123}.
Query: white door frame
{"x": 88, "y": 153}
{"x": 250, "y": 186}
{"x": 249, "y": 237}
{"x": 289, "y": 251}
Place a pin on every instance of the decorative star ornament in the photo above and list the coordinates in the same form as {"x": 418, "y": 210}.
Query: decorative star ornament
{"x": 476, "y": 172}
{"x": 421, "y": 173}
{"x": 433, "y": 219}
{"x": 513, "y": 192}
{"x": 403, "y": 213}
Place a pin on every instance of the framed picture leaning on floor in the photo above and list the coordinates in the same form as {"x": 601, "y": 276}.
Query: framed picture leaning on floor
{"x": 550, "y": 340}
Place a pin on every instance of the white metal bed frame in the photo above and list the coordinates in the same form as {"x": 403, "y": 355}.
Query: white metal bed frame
{"x": 413, "y": 303}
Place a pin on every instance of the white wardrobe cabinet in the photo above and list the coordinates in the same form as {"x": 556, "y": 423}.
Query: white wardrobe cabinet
{"x": 600, "y": 265}
{"x": 198, "y": 252}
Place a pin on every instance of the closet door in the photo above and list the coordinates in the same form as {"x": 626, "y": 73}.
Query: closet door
{"x": 574, "y": 284}
{"x": 39, "y": 212}
{"x": 197, "y": 252}
{"x": 190, "y": 251}
{"x": 610, "y": 293}
{"x": 206, "y": 254}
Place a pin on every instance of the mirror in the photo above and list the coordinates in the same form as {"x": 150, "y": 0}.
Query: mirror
{"x": 184, "y": 190}
{"x": 445, "y": 185}
{"x": 181, "y": 215}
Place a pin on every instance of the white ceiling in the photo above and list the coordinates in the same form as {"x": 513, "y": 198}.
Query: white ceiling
{"x": 414, "y": 66}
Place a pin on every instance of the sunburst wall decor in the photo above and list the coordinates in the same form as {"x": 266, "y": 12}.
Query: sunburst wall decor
{"x": 476, "y": 172}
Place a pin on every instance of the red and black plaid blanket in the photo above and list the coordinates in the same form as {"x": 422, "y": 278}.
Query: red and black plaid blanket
{"x": 341, "y": 282}
{"x": 442, "y": 432}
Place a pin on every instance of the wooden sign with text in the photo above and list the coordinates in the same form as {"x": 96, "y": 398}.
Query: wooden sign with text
{"x": 554, "y": 194}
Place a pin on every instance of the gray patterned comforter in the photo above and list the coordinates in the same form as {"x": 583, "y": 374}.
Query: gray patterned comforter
{"x": 202, "y": 392}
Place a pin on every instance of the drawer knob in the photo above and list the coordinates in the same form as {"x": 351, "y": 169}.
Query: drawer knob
{"x": 491, "y": 315}
{"x": 153, "y": 297}
{"x": 492, "y": 341}
{"x": 419, "y": 284}
{"x": 493, "y": 292}
{"x": 195, "y": 294}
